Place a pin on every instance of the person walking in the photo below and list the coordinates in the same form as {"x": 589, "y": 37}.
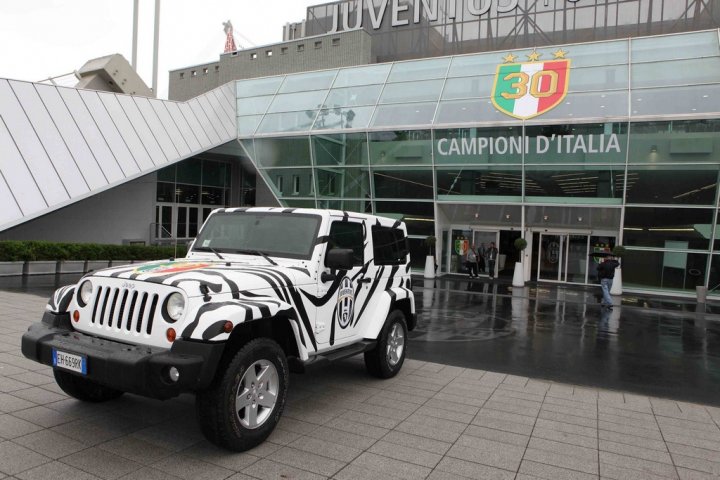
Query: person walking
{"x": 606, "y": 273}
{"x": 471, "y": 261}
{"x": 491, "y": 255}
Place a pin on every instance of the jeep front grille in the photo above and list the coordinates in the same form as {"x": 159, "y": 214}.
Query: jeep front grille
{"x": 124, "y": 309}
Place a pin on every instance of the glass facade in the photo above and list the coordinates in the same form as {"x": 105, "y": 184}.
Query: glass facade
{"x": 188, "y": 191}
{"x": 417, "y": 29}
{"x": 630, "y": 155}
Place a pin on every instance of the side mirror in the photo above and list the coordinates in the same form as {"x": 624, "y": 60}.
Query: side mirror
{"x": 339, "y": 259}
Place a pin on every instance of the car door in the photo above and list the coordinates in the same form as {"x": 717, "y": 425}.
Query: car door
{"x": 342, "y": 291}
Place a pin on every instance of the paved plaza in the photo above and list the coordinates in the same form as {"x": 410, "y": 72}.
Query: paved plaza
{"x": 432, "y": 421}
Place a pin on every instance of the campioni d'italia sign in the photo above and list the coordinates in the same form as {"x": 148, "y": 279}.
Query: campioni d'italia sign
{"x": 528, "y": 89}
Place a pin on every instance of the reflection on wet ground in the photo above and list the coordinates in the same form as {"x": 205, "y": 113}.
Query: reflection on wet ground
{"x": 562, "y": 334}
{"x": 651, "y": 345}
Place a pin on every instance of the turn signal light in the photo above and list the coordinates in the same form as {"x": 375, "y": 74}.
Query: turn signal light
{"x": 227, "y": 328}
{"x": 76, "y": 316}
{"x": 171, "y": 335}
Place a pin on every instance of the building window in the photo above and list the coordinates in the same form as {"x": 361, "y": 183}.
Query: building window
{"x": 296, "y": 184}
{"x": 269, "y": 53}
{"x": 205, "y": 71}
{"x": 193, "y": 73}
{"x": 182, "y": 75}
{"x": 253, "y": 56}
{"x": 318, "y": 44}
{"x": 279, "y": 183}
{"x": 301, "y": 47}
{"x": 335, "y": 42}
{"x": 283, "y": 50}
{"x": 217, "y": 68}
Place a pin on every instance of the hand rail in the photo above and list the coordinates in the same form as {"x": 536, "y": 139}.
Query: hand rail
{"x": 155, "y": 238}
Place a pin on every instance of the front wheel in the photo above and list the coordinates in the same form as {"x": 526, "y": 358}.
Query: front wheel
{"x": 244, "y": 403}
{"x": 386, "y": 359}
{"x": 84, "y": 389}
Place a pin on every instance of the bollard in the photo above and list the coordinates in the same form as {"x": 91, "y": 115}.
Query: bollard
{"x": 701, "y": 294}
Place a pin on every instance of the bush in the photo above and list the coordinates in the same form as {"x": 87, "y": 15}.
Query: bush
{"x": 17, "y": 251}
{"x": 520, "y": 244}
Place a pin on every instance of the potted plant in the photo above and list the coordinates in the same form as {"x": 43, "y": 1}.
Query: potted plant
{"x": 519, "y": 274}
{"x": 619, "y": 252}
{"x": 430, "y": 259}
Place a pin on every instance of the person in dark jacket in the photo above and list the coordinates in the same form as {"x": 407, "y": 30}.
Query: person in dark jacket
{"x": 491, "y": 256}
{"x": 606, "y": 273}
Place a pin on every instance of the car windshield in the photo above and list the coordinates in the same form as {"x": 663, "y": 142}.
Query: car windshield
{"x": 289, "y": 235}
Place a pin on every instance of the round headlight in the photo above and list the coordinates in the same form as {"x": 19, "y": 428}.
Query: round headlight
{"x": 86, "y": 290}
{"x": 174, "y": 307}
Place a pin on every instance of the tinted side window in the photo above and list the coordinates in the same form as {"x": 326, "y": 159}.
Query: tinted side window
{"x": 348, "y": 235}
{"x": 389, "y": 246}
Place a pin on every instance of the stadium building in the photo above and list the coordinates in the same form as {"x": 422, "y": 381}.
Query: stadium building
{"x": 579, "y": 125}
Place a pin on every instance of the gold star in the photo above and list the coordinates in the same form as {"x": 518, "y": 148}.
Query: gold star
{"x": 509, "y": 58}
{"x": 534, "y": 56}
{"x": 560, "y": 53}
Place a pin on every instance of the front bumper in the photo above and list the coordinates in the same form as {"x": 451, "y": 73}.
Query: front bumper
{"x": 130, "y": 368}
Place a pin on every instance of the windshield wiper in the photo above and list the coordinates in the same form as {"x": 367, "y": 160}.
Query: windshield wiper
{"x": 259, "y": 252}
{"x": 211, "y": 249}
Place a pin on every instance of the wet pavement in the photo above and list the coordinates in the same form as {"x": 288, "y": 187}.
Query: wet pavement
{"x": 661, "y": 346}
{"x": 658, "y": 346}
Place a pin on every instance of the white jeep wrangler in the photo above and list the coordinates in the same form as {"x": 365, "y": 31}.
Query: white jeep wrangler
{"x": 261, "y": 291}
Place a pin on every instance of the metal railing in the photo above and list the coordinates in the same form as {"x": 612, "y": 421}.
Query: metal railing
{"x": 156, "y": 236}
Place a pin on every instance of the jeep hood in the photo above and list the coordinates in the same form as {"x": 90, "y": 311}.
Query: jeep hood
{"x": 191, "y": 274}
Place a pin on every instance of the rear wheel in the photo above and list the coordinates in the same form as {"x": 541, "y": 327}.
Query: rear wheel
{"x": 84, "y": 389}
{"x": 244, "y": 403}
{"x": 386, "y": 359}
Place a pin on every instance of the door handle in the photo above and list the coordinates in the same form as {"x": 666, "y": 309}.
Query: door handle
{"x": 365, "y": 280}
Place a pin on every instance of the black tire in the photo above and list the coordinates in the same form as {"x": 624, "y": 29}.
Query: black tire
{"x": 84, "y": 389}
{"x": 379, "y": 361}
{"x": 219, "y": 419}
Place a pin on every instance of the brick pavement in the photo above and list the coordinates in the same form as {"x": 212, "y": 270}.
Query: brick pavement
{"x": 432, "y": 421}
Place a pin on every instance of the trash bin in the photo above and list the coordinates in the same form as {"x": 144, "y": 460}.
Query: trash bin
{"x": 701, "y": 294}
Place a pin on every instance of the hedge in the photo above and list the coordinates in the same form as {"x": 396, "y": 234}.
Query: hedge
{"x": 15, "y": 251}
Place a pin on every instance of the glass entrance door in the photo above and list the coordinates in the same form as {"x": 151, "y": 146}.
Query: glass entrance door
{"x": 482, "y": 240}
{"x": 563, "y": 257}
{"x": 550, "y": 257}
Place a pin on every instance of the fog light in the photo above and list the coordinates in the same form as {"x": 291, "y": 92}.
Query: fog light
{"x": 227, "y": 328}
{"x": 170, "y": 334}
{"x": 174, "y": 374}
{"x": 76, "y": 316}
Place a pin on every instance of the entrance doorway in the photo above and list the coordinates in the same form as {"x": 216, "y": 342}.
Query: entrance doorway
{"x": 504, "y": 240}
{"x": 565, "y": 256}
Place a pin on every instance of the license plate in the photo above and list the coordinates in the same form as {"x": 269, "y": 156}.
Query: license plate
{"x": 70, "y": 361}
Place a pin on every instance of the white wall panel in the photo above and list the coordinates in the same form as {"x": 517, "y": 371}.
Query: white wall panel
{"x": 194, "y": 123}
{"x": 92, "y": 135}
{"x": 110, "y": 133}
{"x": 214, "y": 112}
{"x": 10, "y": 209}
{"x": 70, "y": 175}
{"x": 72, "y": 136}
{"x": 228, "y": 91}
{"x": 175, "y": 136}
{"x": 201, "y": 117}
{"x": 141, "y": 127}
{"x": 156, "y": 127}
{"x": 30, "y": 148}
{"x": 188, "y": 134}
{"x": 226, "y": 108}
{"x": 28, "y": 195}
{"x": 59, "y": 145}
{"x": 127, "y": 132}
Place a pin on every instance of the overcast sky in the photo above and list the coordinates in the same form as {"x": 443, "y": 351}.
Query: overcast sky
{"x": 44, "y": 38}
